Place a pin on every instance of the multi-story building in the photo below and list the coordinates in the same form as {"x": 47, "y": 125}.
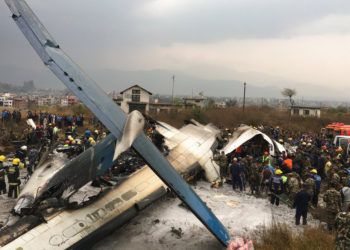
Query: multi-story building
{"x": 135, "y": 98}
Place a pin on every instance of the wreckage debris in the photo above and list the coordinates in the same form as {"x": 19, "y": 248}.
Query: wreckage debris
{"x": 177, "y": 232}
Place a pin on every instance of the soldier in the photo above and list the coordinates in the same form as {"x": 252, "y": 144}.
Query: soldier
{"x": 310, "y": 185}
{"x": 293, "y": 185}
{"x": 2, "y": 175}
{"x": 332, "y": 198}
{"x": 301, "y": 202}
{"x": 345, "y": 195}
{"x": 255, "y": 178}
{"x": 13, "y": 178}
{"x": 318, "y": 180}
{"x": 223, "y": 166}
{"x": 342, "y": 227}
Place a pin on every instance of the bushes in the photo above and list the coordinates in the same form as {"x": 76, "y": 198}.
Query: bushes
{"x": 280, "y": 236}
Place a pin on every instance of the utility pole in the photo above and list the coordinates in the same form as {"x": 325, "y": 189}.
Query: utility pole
{"x": 245, "y": 84}
{"x": 172, "y": 91}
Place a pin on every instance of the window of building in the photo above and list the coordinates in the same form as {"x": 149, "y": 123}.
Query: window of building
{"x": 136, "y": 95}
{"x": 306, "y": 112}
{"x": 295, "y": 111}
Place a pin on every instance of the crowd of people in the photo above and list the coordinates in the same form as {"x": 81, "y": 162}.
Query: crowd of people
{"x": 312, "y": 166}
{"x": 60, "y": 132}
{"x": 7, "y": 115}
{"x": 60, "y": 120}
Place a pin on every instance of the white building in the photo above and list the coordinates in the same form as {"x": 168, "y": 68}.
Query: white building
{"x": 195, "y": 101}
{"x": 7, "y": 103}
{"x": 135, "y": 98}
{"x": 64, "y": 102}
{"x": 306, "y": 111}
{"x": 46, "y": 101}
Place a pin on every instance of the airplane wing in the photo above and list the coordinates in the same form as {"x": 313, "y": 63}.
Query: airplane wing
{"x": 108, "y": 112}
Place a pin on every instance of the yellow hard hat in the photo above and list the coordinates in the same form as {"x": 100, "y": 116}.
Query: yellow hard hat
{"x": 16, "y": 161}
{"x": 278, "y": 171}
{"x": 2, "y": 158}
{"x": 314, "y": 171}
{"x": 91, "y": 139}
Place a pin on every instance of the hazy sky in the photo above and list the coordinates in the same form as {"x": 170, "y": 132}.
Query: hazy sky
{"x": 261, "y": 41}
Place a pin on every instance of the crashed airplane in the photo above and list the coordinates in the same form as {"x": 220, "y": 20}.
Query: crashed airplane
{"x": 66, "y": 228}
{"x": 113, "y": 207}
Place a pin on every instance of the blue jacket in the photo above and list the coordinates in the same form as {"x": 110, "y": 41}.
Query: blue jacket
{"x": 317, "y": 179}
{"x": 276, "y": 183}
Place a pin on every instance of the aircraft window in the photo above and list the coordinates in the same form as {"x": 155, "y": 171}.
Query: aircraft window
{"x": 128, "y": 195}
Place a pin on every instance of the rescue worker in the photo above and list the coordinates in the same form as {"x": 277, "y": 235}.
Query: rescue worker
{"x": 21, "y": 153}
{"x": 95, "y": 134}
{"x": 104, "y": 135}
{"x": 317, "y": 180}
{"x": 266, "y": 159}
{"x": 287, "y": 164}
{"x": 301, "y": 202}
{"x": 345, "y": 195}
{"x": 87, "y": 134}
{"x": 49, "y": 132}
{"x": 255, "y": 177}
{"x": 332, "y": 198}
{"x": 310, "y": 185}
{"x": 2, "y": 175}
{"x": 293, "y": 185}
{"x": 32, "y": 158}
{"x": 276, "y": 187}
{"x": 13, "y": 178}
{"x": 223, "y": 166}
{"x": 92, "y": 142}
{"x": 55, "y": 133}
{"x": 236, "y": 172}
{"x": 342, "y": 228}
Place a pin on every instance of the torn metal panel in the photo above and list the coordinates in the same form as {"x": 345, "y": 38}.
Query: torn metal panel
{"x": 107, "y": 111}
{"x": 133, "y": 128}
{"x": 192, "y": 144}
{"x": 245, "y": 133}
{"x": 59, "y": 174}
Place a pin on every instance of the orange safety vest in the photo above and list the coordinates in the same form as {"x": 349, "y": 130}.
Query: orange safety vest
{"x": 288, "y": 163}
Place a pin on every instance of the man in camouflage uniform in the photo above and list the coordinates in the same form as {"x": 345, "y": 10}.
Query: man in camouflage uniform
{"x": 255, "y": 178}
{"x": 310, "y": 185}
{"x": 293, "y": 185}
{"x": 342, "y": 227}
{"x": 221, "y": 160}
{"x": 332, "y": 198}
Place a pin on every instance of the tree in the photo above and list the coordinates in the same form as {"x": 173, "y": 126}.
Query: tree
{"x": 231, "y": 103}
{"x": 210, "y": 103}
{"x": 289, "y": 93}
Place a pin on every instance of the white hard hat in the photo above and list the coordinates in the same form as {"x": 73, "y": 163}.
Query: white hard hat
{"x": 24, "y": 147}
